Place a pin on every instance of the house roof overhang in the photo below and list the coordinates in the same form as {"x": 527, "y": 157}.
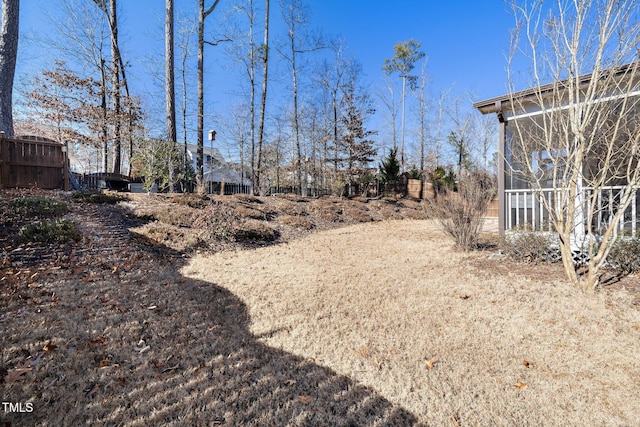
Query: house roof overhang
{"x": 532, "y": 95}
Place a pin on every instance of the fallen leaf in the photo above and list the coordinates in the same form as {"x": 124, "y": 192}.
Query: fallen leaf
{"x": 14, "y": 375}
{"x": 291, "y": 382}
{"x": 520, "y": 385}
{"x": 305, "y": 399}
{"x": 49, "y": 347}
{"x": 104, "y": 363}
{"x": 431, "y": 362}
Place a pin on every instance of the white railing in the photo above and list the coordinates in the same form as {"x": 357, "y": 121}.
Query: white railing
{"x": 528, "y": 209}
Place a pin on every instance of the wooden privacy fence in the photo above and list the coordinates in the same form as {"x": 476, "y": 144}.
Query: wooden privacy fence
{"x": 32, "y": 162}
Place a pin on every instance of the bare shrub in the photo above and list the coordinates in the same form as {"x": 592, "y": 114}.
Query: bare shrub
{"x": 530, "y": 246}
{"x": 625, "y": 256}
{"x": 461, "y": 213}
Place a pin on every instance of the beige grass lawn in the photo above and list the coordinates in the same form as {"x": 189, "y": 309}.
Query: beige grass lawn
{"x": 392, "y": 307}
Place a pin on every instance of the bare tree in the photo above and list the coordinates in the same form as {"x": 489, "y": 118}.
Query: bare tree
{"x": 185, "y": 32}
{"x": 249, "y": 54}
{"x": 332, "y": 79}
{"x": 438, "y": 128}
{"x": 169, "y": 86}
{"x": 263, "y": 101}
{"x": 388, "y": 97}
{"x": 461, "y": 137}
{"x": 202, "y": 15}
{"x": 577, "y": 131}
{"x": 406, "y": 54}
{"x": 118, "y": 81}
{"x": 84, "y": 32}
{"x": 422, "y": 114}
{"x": 8, "y": 55}
{"x": 295, "y": 15}
{"x": 484, "y": 131}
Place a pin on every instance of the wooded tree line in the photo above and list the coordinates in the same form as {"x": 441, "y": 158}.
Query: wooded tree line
{"x": 314, "y": 128}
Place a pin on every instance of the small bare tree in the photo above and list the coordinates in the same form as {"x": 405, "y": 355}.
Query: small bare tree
{"x": 461, "y": 213}
{"x": 577, "y": 131}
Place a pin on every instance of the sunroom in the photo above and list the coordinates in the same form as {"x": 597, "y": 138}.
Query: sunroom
{"x": 569, "y": 154}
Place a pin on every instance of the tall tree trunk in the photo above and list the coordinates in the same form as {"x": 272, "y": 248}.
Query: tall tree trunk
{"x": 334, "y": 96}
{"x": 200, "y": 130}
{"x": 202, "y": 14}
{"x": 183, "y": 73}
{"x": 404, "y": 88}
{"x": 105, "y": 117}
{"x": 170, "y": 95}
{"x": 252, "y": 82}
{"x": 263, "y": 103}
{"x": 115, "y": 53}
{"x": 296, "y": 122}
{"x": 8, "y": 55}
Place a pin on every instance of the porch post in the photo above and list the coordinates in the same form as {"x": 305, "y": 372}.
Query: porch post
{"x": 502, "y": 134}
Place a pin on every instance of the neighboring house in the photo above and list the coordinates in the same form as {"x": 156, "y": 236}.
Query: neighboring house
{"x": 216, "y": 169}
{"x": 212, "y": 158}
{"x": 226, "y": 175}
{"x": 527, "y": 175}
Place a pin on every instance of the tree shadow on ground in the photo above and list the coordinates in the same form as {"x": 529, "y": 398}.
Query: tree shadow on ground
{"x": 168, "y": 350}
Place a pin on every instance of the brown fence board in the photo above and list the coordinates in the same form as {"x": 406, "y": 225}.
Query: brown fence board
{"x": 31, "y": 162}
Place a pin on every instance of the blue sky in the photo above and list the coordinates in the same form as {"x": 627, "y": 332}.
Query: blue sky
{"x": 465, "y": 42}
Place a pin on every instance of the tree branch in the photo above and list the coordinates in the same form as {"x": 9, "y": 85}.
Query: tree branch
{"x": 208, "y": 11}
{"x": 217, "y": 42}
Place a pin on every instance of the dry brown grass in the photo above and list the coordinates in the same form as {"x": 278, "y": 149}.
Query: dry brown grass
{"x": 391, "y": 307}
{"x": 372, "y": 324}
